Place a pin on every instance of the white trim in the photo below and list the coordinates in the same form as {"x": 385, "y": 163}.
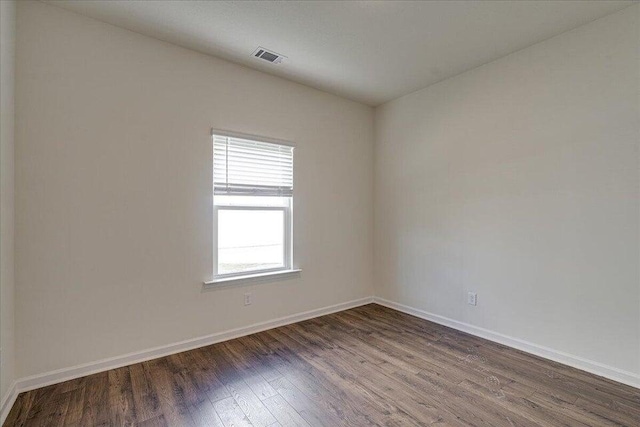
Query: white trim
{"x": 287, "y": 255}
{"x": 287, "y": 247}
{"x": 65, "y": 374}
{"x": 7, "y": 401}
{"x": 261, "y": 276}
{"x": 250, "y": 137}
{"x": 596, "y": 368}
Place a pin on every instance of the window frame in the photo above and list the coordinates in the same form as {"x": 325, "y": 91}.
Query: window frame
{"x": 287, "y": 250}
{"x": 287, "y": 209}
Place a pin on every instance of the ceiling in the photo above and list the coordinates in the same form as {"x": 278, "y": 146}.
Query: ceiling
{"x": 368, "y": 51}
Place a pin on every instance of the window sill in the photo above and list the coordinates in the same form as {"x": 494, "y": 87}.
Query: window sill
{"x": 258, "y": 277}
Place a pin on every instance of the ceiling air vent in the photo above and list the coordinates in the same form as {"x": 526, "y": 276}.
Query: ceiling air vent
{"x": 268, "y": 55}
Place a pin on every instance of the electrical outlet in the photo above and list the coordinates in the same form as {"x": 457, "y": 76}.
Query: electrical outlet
{"x": 472, "y": 298}
{"x": 247, "y": 299}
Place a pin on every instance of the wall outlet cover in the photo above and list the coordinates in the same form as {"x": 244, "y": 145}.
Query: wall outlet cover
{"x": 472, "y": 298}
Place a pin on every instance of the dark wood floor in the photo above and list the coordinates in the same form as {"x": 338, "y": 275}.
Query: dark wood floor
{"x": 365, "y": 366}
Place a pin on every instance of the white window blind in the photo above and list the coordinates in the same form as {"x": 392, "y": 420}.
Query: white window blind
{"x": 246, "y": 167}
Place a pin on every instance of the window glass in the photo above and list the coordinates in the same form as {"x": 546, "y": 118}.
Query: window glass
{"x": 250, "y": 240}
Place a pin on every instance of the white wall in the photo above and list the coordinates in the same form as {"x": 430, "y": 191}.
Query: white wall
{"x": 520, "y": 180}
{"x": 114, "y": 184}
{"x": 7, "y": 64}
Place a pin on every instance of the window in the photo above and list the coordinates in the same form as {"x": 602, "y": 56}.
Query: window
{"x": 252, "y": 198}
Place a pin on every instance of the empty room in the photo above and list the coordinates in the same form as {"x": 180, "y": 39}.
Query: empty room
{"x": 319, "y": 213}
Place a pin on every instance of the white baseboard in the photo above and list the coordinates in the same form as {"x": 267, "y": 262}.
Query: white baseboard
{"x": 590, "y": 366}
{"x": 60, "y": 375}
{"x": 7, "y": 401}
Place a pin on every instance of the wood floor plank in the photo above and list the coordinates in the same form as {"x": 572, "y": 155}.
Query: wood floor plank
{"x": 20, "y": 411}
{"x": 374, "y": 350}
{"x": 258, "y": 360}
{"x": 284, "y": 413}
{"x": 96, "y": 411}
{"x": 572, "y": 411}
{"x": 204, "y": 414}
{"x": 205, "y": 376}
{"x": 231, "y": 414}
{"x": 121, "y": 397}
{"x": 170, "y": 396}
{"x": 368, "y": 366}
{"x": 334, "y": 389}
{"x": 74, "y": 412}
{"x": 300, "y": 402}
{"x": 617, "y": 412}
{"x": 297, "y": 382}
{"x": 55, "y": 411}
{"x": 145, "y": 398}
{"x": 244, "y": 396}
{"x": 356, "y": 377}
{"x": 153, "y": 422}
{"x": 248, "y": 372}
{"x": 525, "y": 407}
{"x": 385, "y": 411}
